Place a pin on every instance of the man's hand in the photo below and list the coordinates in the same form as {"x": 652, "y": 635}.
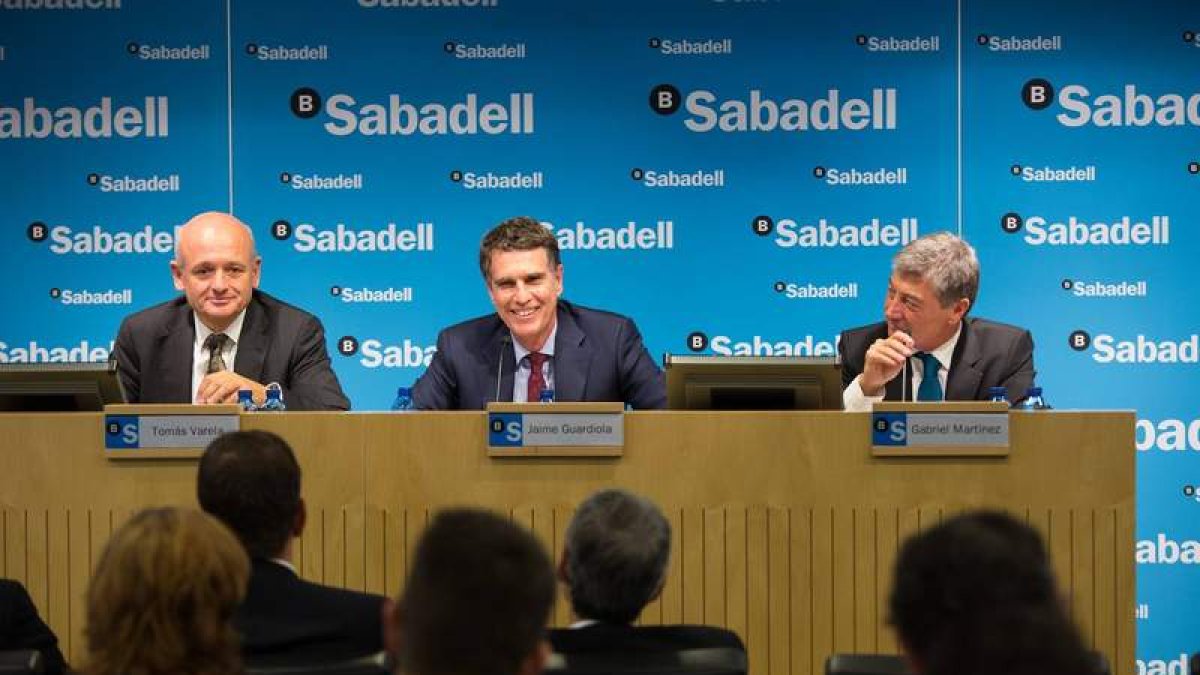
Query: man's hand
{"x": 223, "y": 386}
{"x": 885, "y": 360}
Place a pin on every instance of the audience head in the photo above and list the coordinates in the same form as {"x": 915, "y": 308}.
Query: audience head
{"x": 162, "y": 596}
{"x": 615, "y": 556}
{"x": 476, "y": 602}
{"x": 976, "y": 594}
{"x": 251, "y": 482}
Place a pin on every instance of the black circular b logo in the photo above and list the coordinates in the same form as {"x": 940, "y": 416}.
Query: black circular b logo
{"x": 664, "y": 99}
{"x": 1038, "y": 94}
{"x": 1079, "y": 340}
{"x": 347, "y": 345}
{"x": 305, "y": 102}
{"x": 281, "y": 229}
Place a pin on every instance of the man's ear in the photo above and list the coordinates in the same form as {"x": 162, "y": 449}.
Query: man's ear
{"x": 960, "y": 308}
{"x": 300, "y": 520}
{"x": 177, "y": 275}
{"x": 393, "y": 624}
{"x": 535, "y": 663}
{"x": 561, "y": 571}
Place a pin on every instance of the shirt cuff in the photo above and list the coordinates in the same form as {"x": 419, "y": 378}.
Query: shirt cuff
{"x": 854, "y": 400}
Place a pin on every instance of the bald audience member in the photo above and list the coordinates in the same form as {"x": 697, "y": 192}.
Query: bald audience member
{"x": 250, "y": 481}
{"x": 223, "y": 334}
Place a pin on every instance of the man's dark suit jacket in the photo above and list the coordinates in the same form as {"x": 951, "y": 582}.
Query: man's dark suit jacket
{"x": 624, "y": 638}
{"x": 988, "y": 354}
{"x": 598, "y": 356}
{"x": 279, "y": 343}
{"x": 286, "y": 620}
{"x": 22, "y": 628}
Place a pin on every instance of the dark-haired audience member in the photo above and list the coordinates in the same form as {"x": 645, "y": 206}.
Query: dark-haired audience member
{"x": 476, "y": 601}
{"x": 250, "y": 481}
{"x": 22, "y": 628}
{"x": 614, "y": 563}
{"x": 976, "y": 594}
{"x": 162, "y": 596}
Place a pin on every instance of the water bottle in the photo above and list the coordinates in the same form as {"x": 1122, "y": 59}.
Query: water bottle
{"x": 1033, "y": 400}
{"x": 274, "y": 402}
{"x": 246, "y": 400}
{"x": 547, "y": 396}
{"x": 998, "y": 395}
{"x": 403, "y": 402}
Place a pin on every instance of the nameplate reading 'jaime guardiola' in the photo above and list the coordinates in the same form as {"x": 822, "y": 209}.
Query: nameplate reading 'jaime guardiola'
{"x": 152, "y": 434}
{"x": 918, "y": 430}
{"x": 556, "y": 429}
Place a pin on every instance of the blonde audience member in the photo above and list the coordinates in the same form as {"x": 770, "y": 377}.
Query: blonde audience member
{"x": 162, "y": 597}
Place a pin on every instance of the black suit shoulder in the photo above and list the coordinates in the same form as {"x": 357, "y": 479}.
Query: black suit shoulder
{"x": 986, "y": 329}
{"x": 605, "y": 637}
{"x": 282, "y": 314}
{"x": 287, "y": 619}
{"x": 22, "y": 628}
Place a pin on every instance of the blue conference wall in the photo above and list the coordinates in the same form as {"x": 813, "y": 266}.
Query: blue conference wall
{"x": 1060, "y": 139}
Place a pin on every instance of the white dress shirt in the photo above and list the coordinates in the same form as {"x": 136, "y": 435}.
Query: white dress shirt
{"x": 854, "y": 400}
{"x": 200, "y": 354}
{"x": 521, "y": 377}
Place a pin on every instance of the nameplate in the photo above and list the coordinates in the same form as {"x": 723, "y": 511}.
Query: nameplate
{"x": 165, "y": 431}
{"x": 556, "y": 429}
{"x": 964, "y": 429}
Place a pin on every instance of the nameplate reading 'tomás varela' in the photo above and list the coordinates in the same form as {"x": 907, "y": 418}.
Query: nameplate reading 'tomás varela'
{"x": 935, "y": 431}
{"x": 154, "y": 434}
{"x": 556, "y": 429}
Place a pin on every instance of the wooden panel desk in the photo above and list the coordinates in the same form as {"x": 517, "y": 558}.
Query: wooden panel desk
{"x": 784, "y": 525}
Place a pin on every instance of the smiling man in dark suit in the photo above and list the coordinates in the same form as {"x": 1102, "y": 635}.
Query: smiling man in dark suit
{"x": 223, "y": 334}
{"x": 250, "y": 481}
{"x": 535, "y": 341}
{"x": 927, "y": 348}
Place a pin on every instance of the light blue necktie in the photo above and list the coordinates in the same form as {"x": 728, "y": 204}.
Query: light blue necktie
{"x": 931, "y": 387}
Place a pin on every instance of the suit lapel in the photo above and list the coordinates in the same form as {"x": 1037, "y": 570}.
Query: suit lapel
{"x": 962, "y": 382}
{"x": 252, "y": 344}
{"x": 572, "y": 356}
{"x": 175, "y": 351}
{"x": 495, "y": 348}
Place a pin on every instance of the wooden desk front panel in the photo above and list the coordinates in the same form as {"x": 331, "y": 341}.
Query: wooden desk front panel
{"x": 784, "y": 527}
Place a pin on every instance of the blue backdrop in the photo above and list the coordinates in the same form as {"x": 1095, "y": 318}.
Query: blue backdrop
{"x": 735, "y": 175}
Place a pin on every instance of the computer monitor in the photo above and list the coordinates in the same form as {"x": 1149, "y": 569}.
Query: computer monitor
{"x": 753, "y": 383}
{"x": 59, "y": 386}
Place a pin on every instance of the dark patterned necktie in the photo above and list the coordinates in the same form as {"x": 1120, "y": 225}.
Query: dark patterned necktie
{"x": 215, "y": 344}
{"x": 537, "y": 383}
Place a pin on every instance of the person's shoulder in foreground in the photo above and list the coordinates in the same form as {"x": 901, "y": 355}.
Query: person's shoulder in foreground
{"x": 22, "y": 628}
{"x": 250, "y": 481}
{"x": 614, "y": 563}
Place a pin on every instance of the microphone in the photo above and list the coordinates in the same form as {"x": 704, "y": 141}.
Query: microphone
{"x": 504, "y": 343}
{"x": 904, "y": 327}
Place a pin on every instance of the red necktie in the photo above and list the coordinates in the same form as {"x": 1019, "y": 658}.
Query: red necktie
{"x": 536, "y": 382}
